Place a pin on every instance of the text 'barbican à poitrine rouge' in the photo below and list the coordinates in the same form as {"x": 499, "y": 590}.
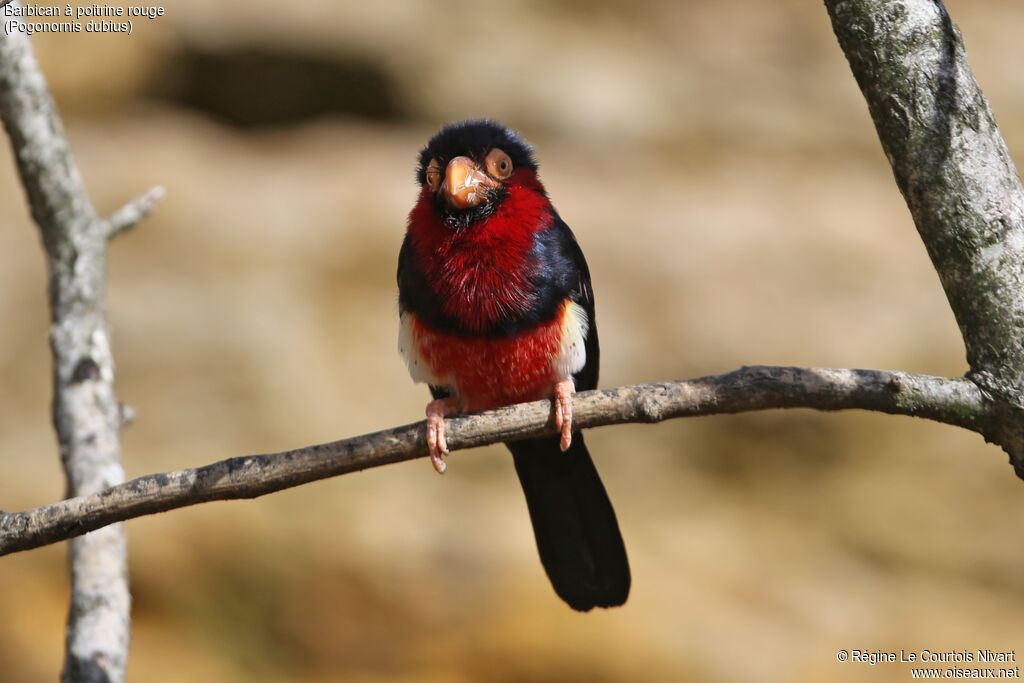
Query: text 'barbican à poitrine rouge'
{"x": 82, "y": 11}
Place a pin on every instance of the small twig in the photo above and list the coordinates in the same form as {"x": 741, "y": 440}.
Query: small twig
{"x": 129, "y": 215}
{"x": 953, "y": 401}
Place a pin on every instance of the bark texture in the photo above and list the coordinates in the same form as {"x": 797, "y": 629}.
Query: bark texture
{"x": 86, "y": 415}
{"x": 953, "y": 401}
{"x": 960, "y": 184}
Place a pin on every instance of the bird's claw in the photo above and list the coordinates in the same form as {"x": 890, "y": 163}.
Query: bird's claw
{"x": 437, "y": 444}
{"x": 564, "y": 389}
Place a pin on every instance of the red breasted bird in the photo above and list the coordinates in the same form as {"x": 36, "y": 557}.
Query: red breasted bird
{"x": 497, "y": 308}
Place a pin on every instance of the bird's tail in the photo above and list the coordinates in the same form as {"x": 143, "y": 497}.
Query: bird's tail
{"x": 577, "y": 534}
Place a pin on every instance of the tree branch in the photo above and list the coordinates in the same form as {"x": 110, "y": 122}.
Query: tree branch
{"x": 954, "y": 401}
{"x": 957, "y": 177}
{"x": 86, "y": 415}
{"x": 129, "y": 215}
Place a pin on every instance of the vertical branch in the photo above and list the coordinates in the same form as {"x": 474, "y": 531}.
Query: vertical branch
{"x": 958, "y": 180}
{"x": 85, "y": 408}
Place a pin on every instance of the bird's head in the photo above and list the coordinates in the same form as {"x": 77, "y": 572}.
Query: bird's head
{"x": 468, "y": 168}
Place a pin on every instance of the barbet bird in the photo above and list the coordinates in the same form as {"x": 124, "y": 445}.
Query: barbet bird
{"x": 497, "y": 308}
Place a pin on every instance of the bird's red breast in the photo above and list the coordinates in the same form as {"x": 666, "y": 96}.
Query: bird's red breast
{"x": 489, "y": 277}
{"x": 482, "y": 274}
{"x": 491, "y": 371}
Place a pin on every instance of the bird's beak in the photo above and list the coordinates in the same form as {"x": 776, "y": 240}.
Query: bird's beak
{"x": 465, "y": 185}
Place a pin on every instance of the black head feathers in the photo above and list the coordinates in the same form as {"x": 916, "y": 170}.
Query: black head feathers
{"x": 474, "y": 138}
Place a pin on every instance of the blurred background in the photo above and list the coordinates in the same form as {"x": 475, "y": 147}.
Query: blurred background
{"x": 720, "y": 170}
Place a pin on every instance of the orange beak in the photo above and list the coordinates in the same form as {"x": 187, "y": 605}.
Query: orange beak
{"x": 465, "y": 185}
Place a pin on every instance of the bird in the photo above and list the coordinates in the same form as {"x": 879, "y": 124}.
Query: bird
{"x": 496, "y": 307}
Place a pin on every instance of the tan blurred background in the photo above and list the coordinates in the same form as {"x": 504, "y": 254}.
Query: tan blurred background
{"x": 721, "y": 172}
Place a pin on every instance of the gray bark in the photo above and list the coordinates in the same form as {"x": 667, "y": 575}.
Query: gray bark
{"x": 953, "y": 401}
{"x": 86, "y": 415}
{"x": 958, "y": 179}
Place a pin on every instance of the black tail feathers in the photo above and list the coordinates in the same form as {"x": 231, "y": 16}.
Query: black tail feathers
{"x": 577, "y": 533}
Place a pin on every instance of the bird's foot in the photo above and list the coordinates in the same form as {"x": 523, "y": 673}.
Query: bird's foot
{"x": 564, "y": 389}
{"x": 436, "y": 442}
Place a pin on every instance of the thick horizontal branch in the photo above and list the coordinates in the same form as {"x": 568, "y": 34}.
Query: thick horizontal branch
{"x": 953, "y": 401}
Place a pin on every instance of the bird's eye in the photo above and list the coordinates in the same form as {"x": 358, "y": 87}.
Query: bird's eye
{"x": 499, "y": 165}
{"x": 433, "y": 175}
